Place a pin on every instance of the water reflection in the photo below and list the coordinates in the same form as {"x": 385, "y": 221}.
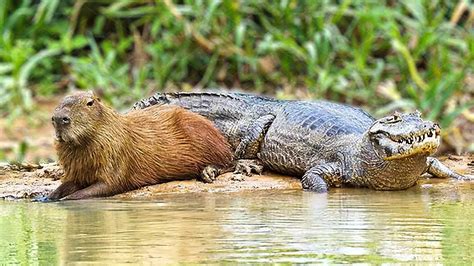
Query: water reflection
{"x": 268, "y": 226}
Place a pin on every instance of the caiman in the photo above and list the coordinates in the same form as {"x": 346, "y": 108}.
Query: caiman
{"x": 326, "y": 144}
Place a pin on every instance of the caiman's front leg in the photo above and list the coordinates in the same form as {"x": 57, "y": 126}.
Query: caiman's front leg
{"x": 249, "y": 145}
{"x": 99, "y": 189}
{"x": 319, "y": 177}
{"x": 437, "y": 169}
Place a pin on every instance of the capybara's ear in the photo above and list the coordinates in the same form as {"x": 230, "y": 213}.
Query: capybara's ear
{"x": 94, "y": 95}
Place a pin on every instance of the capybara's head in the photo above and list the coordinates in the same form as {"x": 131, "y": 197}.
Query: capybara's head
{"x": 77, "y": 117}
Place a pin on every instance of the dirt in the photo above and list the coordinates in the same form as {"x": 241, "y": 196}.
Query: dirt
{"x": 32, "y": 180}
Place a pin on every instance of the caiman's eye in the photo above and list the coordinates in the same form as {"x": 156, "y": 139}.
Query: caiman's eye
{"x": 392, "y": 120}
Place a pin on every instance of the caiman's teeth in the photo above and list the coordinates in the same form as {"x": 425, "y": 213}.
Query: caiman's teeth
{"x": 416, "y": 138}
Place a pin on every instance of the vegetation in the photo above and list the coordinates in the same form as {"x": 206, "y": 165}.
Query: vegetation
{"x": 392, "y": 54}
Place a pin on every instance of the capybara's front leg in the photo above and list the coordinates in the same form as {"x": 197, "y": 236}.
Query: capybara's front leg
{"x": 66, "y": 188}
{"x": 99, "y": 189}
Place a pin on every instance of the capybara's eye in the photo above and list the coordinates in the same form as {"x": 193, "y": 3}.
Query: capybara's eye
{"x": 90, "y": 102}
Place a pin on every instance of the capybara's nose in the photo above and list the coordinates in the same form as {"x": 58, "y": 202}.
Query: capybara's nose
{"x": 61, "y": 120}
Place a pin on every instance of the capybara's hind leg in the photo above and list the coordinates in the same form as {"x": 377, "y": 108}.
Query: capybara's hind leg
{"x": 66, "y": 188}
{"x": 99, "y": 189}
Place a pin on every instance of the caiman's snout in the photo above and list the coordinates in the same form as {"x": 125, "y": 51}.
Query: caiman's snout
{"x": 404, "y": 135}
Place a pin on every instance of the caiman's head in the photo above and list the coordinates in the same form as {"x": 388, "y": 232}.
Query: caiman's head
{"x": 404, "y": 135}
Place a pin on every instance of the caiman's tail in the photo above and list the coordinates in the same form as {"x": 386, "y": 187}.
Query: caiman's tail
{"x": 204, "y": 102}
{"x": 156, "y": 99}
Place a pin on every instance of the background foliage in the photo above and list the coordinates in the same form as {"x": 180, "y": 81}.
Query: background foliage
{"x": 384, "y": 55}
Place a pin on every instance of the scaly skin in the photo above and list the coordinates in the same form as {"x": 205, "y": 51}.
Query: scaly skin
{"x": 326, "y": 144}
{"x": 242, "y": 120}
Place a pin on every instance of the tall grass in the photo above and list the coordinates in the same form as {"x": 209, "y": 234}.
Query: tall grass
{"x": 383, "y": 54}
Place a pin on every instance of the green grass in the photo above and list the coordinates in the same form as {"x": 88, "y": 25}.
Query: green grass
{"x": 385, "y": 55}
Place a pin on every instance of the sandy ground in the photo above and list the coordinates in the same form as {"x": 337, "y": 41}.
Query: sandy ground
{"x": 31, "y": 180}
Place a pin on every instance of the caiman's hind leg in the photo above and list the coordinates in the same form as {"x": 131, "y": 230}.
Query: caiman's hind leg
{"x": 319, "y": 177}
{"x": 249, "y": 145}
{"x": 437, "y": 169}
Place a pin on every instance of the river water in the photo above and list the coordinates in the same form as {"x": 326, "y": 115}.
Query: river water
{"x": 430, "y": 223}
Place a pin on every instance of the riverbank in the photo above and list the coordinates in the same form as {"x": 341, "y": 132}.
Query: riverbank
{"x": 27, "y": 181}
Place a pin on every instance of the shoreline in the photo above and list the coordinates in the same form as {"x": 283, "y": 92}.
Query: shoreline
{"x": 27, "y": 181}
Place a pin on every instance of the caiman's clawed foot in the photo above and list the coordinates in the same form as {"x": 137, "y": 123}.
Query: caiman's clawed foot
{"x": 246, "y": 167}
{"x": 209, "y": 174}
{"x": 316, "y": 178}
{"x": 437, "y": 169}
{"x": 314, "y": 183}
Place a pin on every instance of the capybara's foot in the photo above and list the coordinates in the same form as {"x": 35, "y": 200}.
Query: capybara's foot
{"x": 247, "y": 167}
{"x": 209, "y": 174}
{"x": 66, "y": 188}
{"x": 43, "y": 199}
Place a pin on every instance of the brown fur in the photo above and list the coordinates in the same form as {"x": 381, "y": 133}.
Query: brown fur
{"x": 125, "y": 152}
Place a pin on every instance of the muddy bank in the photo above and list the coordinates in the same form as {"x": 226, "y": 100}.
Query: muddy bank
{"x": 31, "y": 180}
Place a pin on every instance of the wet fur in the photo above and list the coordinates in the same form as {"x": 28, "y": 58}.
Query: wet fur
{"x": 143, "y": 147}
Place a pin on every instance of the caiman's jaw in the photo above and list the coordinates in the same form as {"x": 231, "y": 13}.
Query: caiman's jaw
{"x": 419, "y": 143}
{"x": 404, "y": 135}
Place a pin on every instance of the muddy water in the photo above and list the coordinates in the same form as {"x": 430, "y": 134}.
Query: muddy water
{"x": 430, "y": 223}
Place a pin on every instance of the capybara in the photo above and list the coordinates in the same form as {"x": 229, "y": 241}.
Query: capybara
{"x": 104, "y": 152}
